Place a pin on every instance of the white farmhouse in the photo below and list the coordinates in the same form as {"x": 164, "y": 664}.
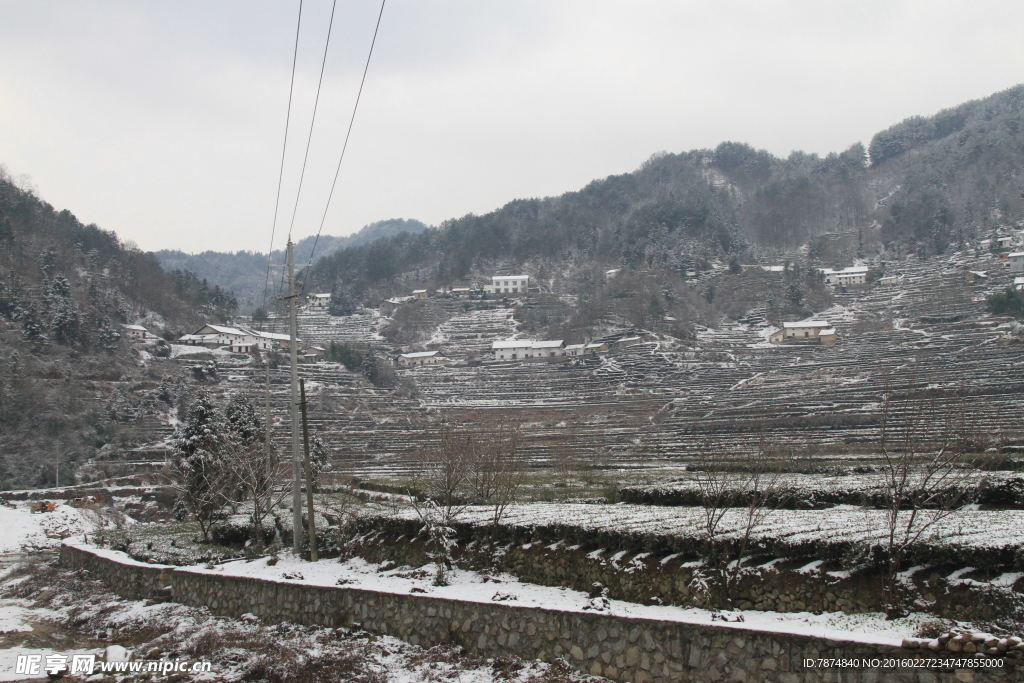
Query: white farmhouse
{"x": 265, "y": 341}
{"x": 319, "y": 301}
{"x": 514, "y": 349}
{"x": 138, "y": 333}
{"x": 508, "y": 284}
{"x": 216, "y": 336}
{"x": 409, "y": 360}
{"x": 548, "y": 349}
{"x": 575, "y": 349}
{"x": 1016, "y": 260}
{"x": 1018, "y": 283}
{"x": 854, "y": 275}
{"x": 805, "y": 329}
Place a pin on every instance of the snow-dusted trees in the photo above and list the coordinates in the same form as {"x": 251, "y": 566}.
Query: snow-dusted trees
{"x": 201, "y": 474}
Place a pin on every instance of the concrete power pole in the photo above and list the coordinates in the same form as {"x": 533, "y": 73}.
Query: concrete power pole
{"x": 296, "y": 458}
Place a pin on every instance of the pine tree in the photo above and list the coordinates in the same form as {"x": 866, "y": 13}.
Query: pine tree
{"x": 319, "y": 459}
{"x": 66, "y": 324}
{"x": 106, "y": 335}
{"x": 203, "y": 479}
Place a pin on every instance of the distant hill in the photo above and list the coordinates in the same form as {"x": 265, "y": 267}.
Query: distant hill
{"x": 244, "y": 272}
{"x": 922, "y": 186}
{"x": 72, "y": 385}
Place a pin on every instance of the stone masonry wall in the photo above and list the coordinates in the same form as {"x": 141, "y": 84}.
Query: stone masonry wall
{"x": 647, "y": 579}
{"x": 622, "y": 649}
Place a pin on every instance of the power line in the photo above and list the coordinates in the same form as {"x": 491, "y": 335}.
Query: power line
{"x": 348, "y": 134}
{"x": 284, "y": 147}
{"x": 312, "y": 123}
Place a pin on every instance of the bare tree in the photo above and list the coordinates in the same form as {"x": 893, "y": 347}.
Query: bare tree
{"x": 736, "y": 499}
{"x": 925, "y": 443}
{"x": 258, "y": 478}
{"x": 498, "y": 470}
{"x": 441, "y": 492}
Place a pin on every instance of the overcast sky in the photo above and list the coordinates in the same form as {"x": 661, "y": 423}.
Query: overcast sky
{"x": 164, "y": 120}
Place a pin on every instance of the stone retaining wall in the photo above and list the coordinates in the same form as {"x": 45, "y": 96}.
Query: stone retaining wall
{"x": 620, "y": 648}
{"x": 644, "y": 578}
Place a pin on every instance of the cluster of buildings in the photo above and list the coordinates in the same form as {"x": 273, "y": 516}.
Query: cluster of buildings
{"x": 531, "y": 349}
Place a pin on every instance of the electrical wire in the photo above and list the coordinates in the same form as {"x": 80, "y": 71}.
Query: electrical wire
{"x": 316, "y": 104}
{"x": 348, "y": 134}
{"x": 284, "y": 147}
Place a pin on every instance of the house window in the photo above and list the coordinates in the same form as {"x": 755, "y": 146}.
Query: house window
{"x": 806, "y": 333}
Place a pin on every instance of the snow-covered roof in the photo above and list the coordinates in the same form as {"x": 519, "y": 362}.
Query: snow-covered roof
{"x": 773, "y": 269}
{"x": 978, "y": 273}
{"x": 1016, "y": 254}
{"x": 460, "y": 289}
{"x": 420, "y": 354}
{"x": 575, "y": 346}
{"x": 419, "y": 291}
{"x": 852, "y": 270}
{"x": 321, "y": 296}
{"x": 398, "y": 299}
{"x": 220, "y": 330}
{"x": 1018, "y": 280}
{"x": 806, "y": 323}
{"x": 273, "y": 336}
{"x": 513, "y": 344}
{"x": 595, "y": 345}
{"x": 196, "y": 337}
{"x": 827, "y": 331}
{"x": 510, "y": 277}
{"x": 553, "y": 344}
{"x": 137, "y": 328}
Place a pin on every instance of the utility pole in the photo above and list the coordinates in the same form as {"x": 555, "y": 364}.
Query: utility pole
{"x": 296, "y": 462}
{"x": 266, "y": 422}
{"x": 313, "y": 555}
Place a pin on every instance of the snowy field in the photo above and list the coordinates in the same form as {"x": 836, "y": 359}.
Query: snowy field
{"x": 841, "y": 524}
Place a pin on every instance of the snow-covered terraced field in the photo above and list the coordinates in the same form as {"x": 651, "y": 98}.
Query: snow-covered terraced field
{"x": 968, "y": 529}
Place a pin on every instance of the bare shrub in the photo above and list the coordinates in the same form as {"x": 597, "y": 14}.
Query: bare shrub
{"x": 926, "y": 443}
{"x": 735, "y": 501}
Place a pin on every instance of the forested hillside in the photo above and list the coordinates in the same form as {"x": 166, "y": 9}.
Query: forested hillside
{"x": 921, "y": 185}
{"x": 65, "y": 291}
{"x": 244, "y": 272}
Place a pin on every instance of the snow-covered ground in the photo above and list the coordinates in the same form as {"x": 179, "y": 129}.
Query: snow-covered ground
{"x": 24, "y": 531}
{"x": 68, "y": 615}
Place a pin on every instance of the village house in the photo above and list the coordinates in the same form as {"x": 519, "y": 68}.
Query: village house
{"x": 612, "y": 274}
{"x": 265, "y": 341}
{"x": 389, "y": 306}
{"x": 774, "y": 269}
{"x": 508, "y": 284}
{"x": 319, "y": 301}
{"x": 216, "y": 336}
{"x": 460, "y": 291}
{"x": 599, "y": 347}
{"x": 1018, "y": 283}
{"x": 805, "y": 329}
{"x": 888, "y": 280}
{"x": 1005, "y": 242}
{"x": 1016, "y": 260}
{"x": 138, "y": 333}
{"x": 854, "y": 275}
{"x": 627, "y": 342}
{"x": 420, "y": 294}
{"x": 975, "y": 275}
{"x": 514, "y": 349}
{"x": 548, "y": 349}
{"x": 418, "y": 358}
{"x": 574, "y": 349}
